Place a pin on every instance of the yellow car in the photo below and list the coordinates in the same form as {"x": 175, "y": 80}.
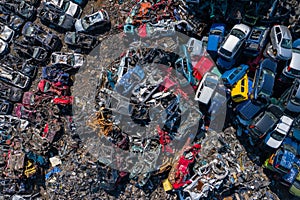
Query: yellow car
{"x": 239, "y": 92}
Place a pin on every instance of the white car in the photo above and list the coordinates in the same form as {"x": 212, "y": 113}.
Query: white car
{"x": 6, "y": 33}
{"x": 275, "y": 138}
{"x": 92, "y": 22}
{"x": 292, "y": 70}
{"x": 207, "y": 88}
{"x": 281, "y": 40}
{"x": 67, "y": 6}
{"x": 234, "y": 41}
{"x": 74, "y": 60}
{"x": 195, "y": 48}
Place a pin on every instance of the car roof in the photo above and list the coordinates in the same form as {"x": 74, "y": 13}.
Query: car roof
{"x": 268, "y": 82}
{"x": 248, "y": 110}
{"x": 265, "y": 122}
{"x": 205, "y": 95}
{"x": 230, "y": 43}
{"x": 284, "y": 31}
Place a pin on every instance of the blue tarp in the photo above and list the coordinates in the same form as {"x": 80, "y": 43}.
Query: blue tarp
{"x": 291, "y": 176}
{"x": 53, "y": 171}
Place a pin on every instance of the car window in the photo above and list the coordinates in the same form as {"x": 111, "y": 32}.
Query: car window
{"x": 215, "y": 32}
{"x": 294, "y": 71}
{"x": 242, "y": 89}
{"x": 232, "y": 76}
{"x": 297, "y": 184}
{"x": 255, "y": 34}
{"x": 279, "y": 37}
{"x": 237, "y": 33}
{"x": 277, "y": 136}
{"x": 286, "y": 43}
{"x": 225, "y": 52}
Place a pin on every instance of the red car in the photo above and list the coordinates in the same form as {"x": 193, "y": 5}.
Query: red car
{"x": 183, "y": 167}
{"x": 46, "y": 86}
{"x": 204, "y": 65}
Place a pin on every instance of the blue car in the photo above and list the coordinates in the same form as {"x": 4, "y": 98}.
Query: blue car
{"x": 264, "y": 79}
{"x": 184, "y": 66}
{"x": 247, "y": 111}
{"x": 232, "y": 76}
{"x": 215, "y": 37}
{"x": 257, "y": 41}
{"x": 130, "y": 79}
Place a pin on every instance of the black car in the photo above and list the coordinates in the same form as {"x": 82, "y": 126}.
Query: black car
{"x": 5, "y": 107}
{"x": 21, "y": 8}
{"x": 246, "y": 111}
{"x": 10, "y": 93}
{"x": 55, "y": 18}
{"x": 36, "y": 35}
{"x": 264, "y": 122}
{"x": 264, "y": 79}
{"x": 10, "y": 19}
{"x": 257, "y": 41}
{"x": 28, "y": 51}
{"x": 81, "y": 40}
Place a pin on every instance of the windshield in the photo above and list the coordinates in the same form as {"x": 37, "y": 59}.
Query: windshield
{"x": 225, "y": 52}
{"x": 237, "y": 33}
{"x": 36, "y": 53}
{"x": 297, "y": 184}
{"x": 71, "y": 60}
{"x": 277, "y": 136}
{"x": 286, "y": 43}
{"x": 215, "y": 32}
{"x": 211, "y": 82}
{"x": 61, "y": 19}
{"x": 65, "y": 5}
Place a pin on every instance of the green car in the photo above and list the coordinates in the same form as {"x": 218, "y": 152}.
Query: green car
{"x": 295, "y": 188}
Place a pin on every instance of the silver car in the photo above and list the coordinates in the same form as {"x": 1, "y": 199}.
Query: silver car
{"x": 207, "y": 88}
{"x": 292, "y": 70}
{"x": 293, "y": 103}
{"x": 281, "y": 40}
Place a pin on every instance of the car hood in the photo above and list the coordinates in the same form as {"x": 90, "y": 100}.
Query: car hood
{"x": 7, "y": 34}
{"x": 271, "y": 142}
{"x": 286, "y": 54}
{"x": 205, "y": 95}
{"x": 213, "y": 42}
{"x": 78, "y": 25}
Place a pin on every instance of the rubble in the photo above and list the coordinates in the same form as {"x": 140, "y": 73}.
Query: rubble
{"x": 85, "y": 119}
